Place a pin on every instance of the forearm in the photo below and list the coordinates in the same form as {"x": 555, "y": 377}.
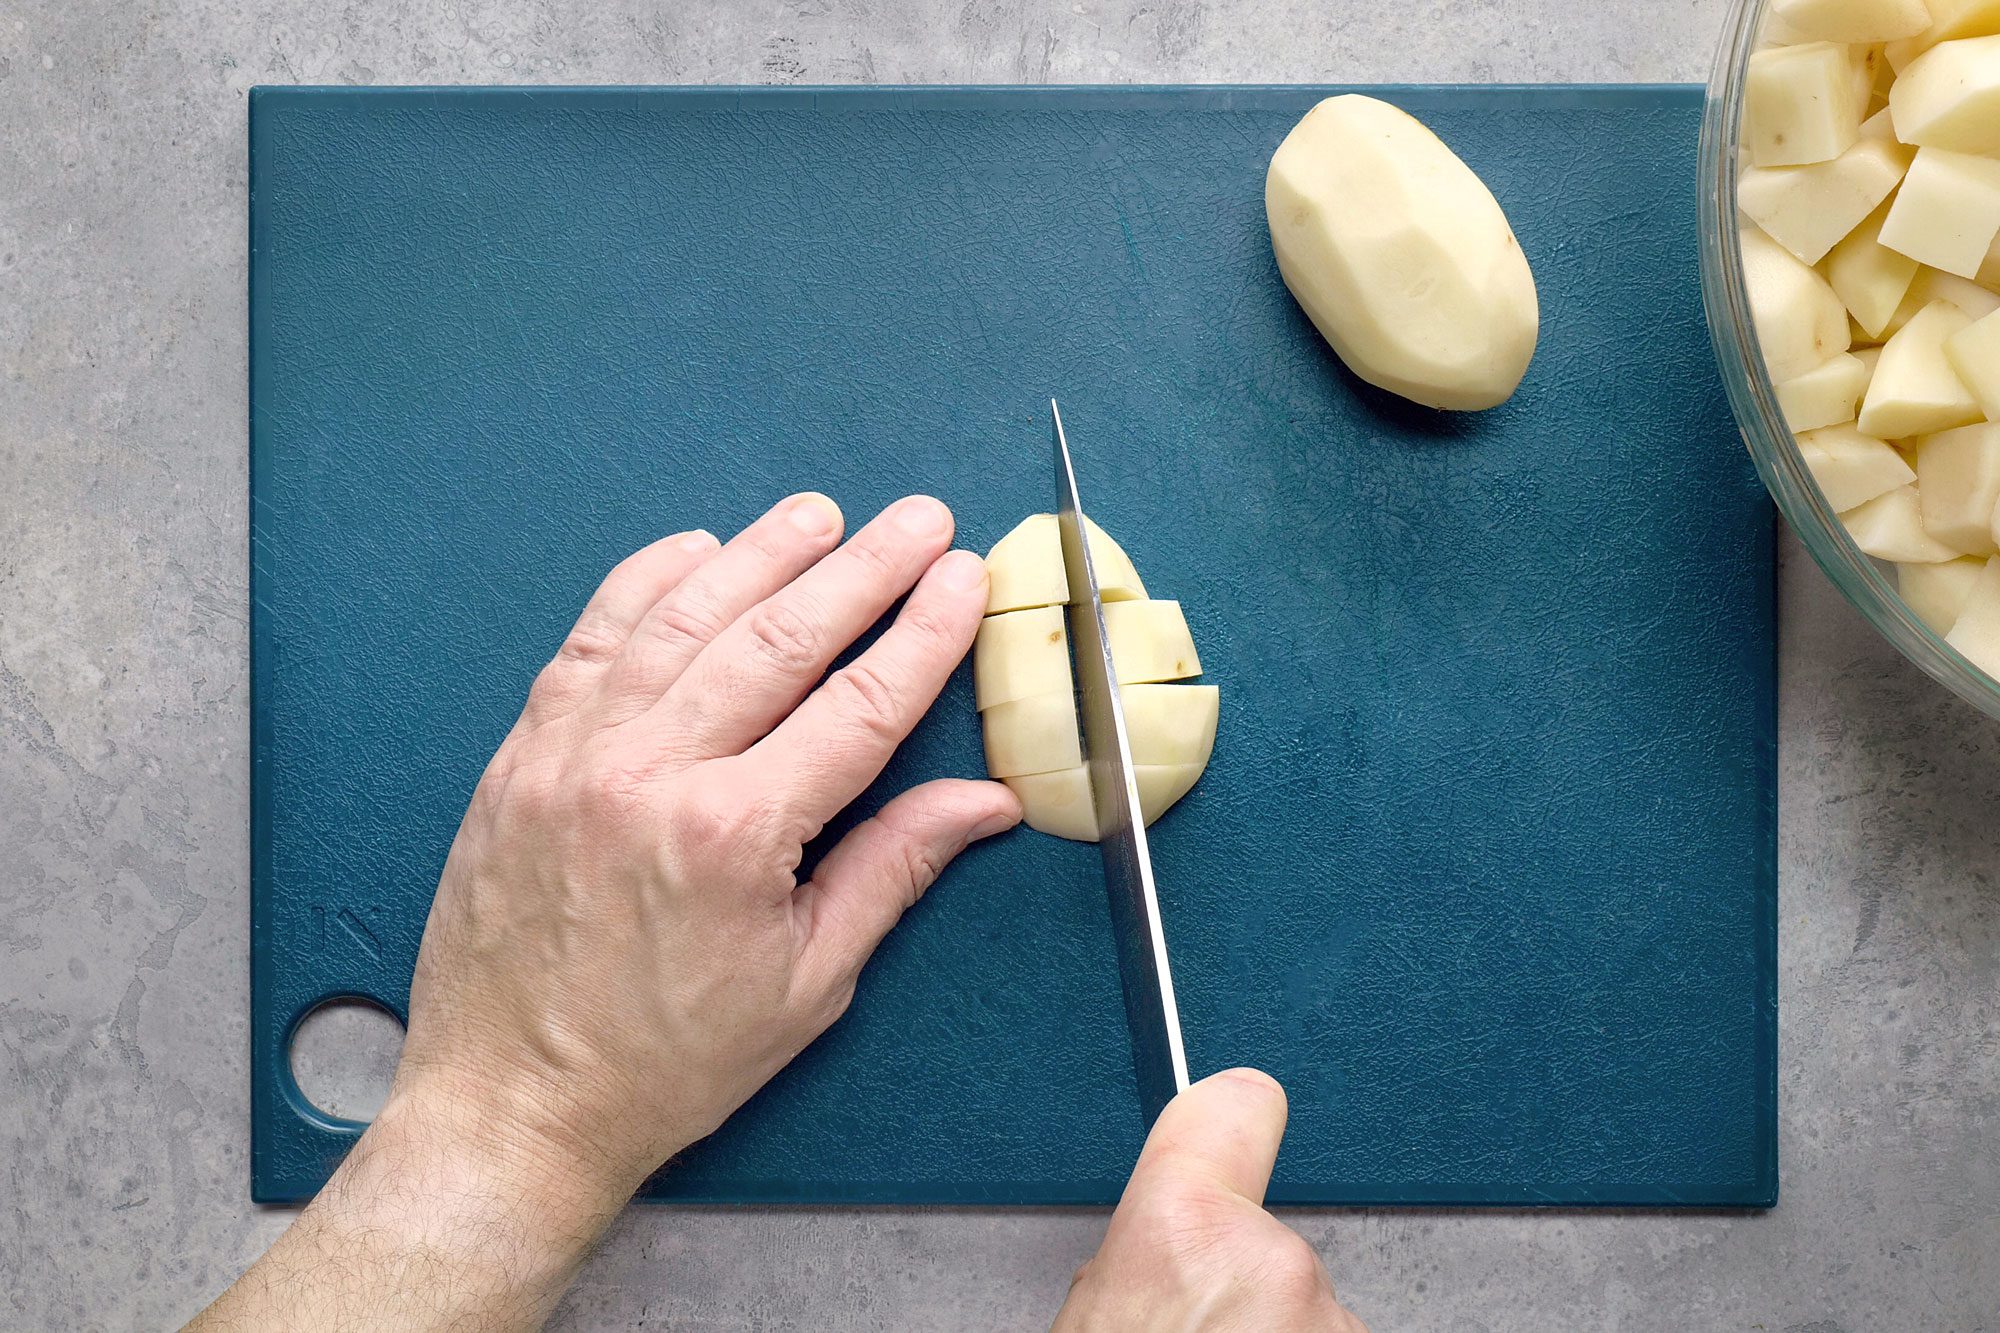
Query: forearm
{"x": 430, "y": 1223}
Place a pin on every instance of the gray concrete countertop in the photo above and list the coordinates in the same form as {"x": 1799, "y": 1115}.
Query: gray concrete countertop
{"x": 123, "y": 770}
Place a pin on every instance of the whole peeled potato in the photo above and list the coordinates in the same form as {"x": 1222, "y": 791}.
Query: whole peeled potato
{"x": 1401, "y": 256}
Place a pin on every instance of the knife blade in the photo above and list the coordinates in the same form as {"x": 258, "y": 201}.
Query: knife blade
{"x": 1159, "y": 1060}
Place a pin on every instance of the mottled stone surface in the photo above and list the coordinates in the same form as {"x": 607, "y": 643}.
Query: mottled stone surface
{"x": 123, "y": 863}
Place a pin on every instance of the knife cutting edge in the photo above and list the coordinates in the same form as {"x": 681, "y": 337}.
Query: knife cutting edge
{"x": 1158, "y": 1057}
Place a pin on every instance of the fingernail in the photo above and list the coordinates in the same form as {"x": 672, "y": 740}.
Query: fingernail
{"x": 961, "y": 571}
{"x": 921, "y": 516}
{"x": 698, "y": 540}
{"x": 814, "y": 514}
{"x": 993, "y": 824}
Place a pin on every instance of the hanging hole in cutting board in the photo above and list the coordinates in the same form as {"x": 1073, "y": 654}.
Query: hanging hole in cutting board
{"x": 343, "y": 1055}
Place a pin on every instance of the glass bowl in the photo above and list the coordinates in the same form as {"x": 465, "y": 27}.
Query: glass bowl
{"x": 1864, "y": 581}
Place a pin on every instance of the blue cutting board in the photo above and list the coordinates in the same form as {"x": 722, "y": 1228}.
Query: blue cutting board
{"x": 1483, "y": 869}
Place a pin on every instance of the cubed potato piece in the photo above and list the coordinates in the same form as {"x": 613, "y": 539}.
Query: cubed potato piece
{"x": 1401, "y": 256}
{"x": 1958, "y": 483}
{"x": 1976, "y": 632}
{"x": 1953, "y": 19}
{"x": 1150, "y": 642}
{"x": 1854, "y": 20}
{"x": 1019, "y": 654}
{"x": 1937, "y": 593}
{"x": 1869, "y": 278}
{"x": 1930, "y": 287}
{"x": 1809, "y": 210}
{"x": 1059, "y": 803}
{"x": 1949, "y": 97}
{"x": 1826, "y": 395}
{"x": 1891, "y": 527}
{"x": 1168, "y": 725}
{"x": 1989, "y": 272}
{"x": 1974, "y": 352}
{"x": 1801, "y": 104}
{"x": 1025, "y": 567}
{"x": 1852, "y": 468}
{"x": 1947, "y": 212}
{"x": 1915, "y": 391}
{"x": 1800, "y": 323}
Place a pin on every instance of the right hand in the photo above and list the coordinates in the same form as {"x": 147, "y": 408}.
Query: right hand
{"x": 1191, "y": 1246}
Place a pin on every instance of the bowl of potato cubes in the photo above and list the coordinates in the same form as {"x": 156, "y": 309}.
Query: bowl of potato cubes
{"x": 1850, "y": 165}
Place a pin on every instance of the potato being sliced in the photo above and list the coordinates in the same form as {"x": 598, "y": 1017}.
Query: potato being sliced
{"x": 1022, "y": 687}
{"x": 1169, "y": 726}
{"x": 1025, "y": 567}
{"x": 1937, "y": 593}
{"x": 1915, "y": 391}
{"x": 1059, "y": 803}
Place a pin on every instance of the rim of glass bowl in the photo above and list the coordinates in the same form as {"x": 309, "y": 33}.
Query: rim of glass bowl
{"x": 1755, "y": 400}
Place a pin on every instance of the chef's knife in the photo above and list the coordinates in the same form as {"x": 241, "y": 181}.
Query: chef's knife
{"x": 1158, "y": 1057}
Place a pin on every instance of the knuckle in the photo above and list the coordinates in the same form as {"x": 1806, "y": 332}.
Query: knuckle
{"x": 877, "y": 560}
{"x": 592, "y": 641}
{"x": 866, "y": 699}
{"x": 788, "y": 637}
{"x": 1295, "y": 1273}
{"x": 688, "y": 615}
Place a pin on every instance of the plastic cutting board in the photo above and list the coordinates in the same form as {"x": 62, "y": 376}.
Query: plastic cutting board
{"x": 1483, "y": 869}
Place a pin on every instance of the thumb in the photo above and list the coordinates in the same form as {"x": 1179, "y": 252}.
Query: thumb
{"x": 879, "y": 870}
{"x": 1222, "y": 1133}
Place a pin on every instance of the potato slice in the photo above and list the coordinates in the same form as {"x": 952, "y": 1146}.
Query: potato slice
{"x": 1937, "y": 593}
{"x": 1976, "y": 632}
{"x": 1059, "y": 803}
{"x": 1852, "y": 468}
{"x": 1870, "y": 279}
{"x": 1947, "y": 213}
{"x": 1958, "y": 484}
{"x": 1974, "y": 352}
{"x": 1169, "y": 725}
{"x": 1809, "y": 210}
{"x": 1019, "y": 654}
{"x": 1800, "y": 322}
{"x": 1150, "y": 642}
{"x": 1825, "y": 396}
{"x": 1989, "y": 272}
{"x": 1854, "y": 20}
{"x": 1915, "y": 391}
{"x": 1801, "y": 104}
{"x": 1949, "y": 97}
{"x": 1025, "y": 567}
{"x": 1891, "y": 527}
{"x": 1401, "y": 257}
